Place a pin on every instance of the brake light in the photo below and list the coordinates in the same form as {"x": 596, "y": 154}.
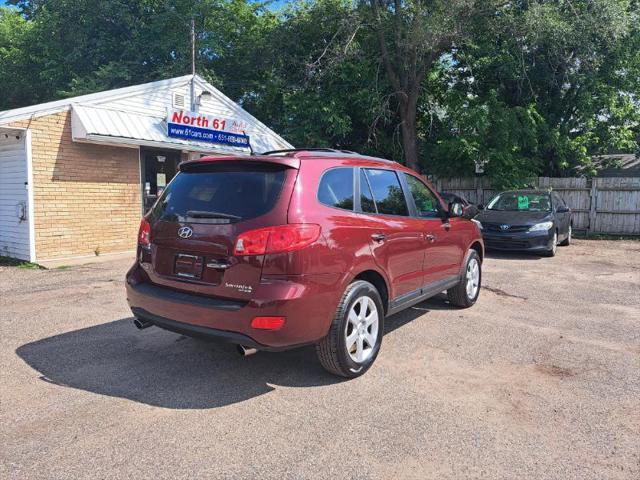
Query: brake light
{"x": 252, "y": 242}
{"x": 144, "y": 234}
{"x": 282, "y": 238}
{"x": 267, "y": 323}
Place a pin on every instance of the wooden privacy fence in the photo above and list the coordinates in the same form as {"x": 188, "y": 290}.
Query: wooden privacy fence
{"x": 600, "y": 205}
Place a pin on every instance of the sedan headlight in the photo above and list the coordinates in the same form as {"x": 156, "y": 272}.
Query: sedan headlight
{"x": 541, "y": 227}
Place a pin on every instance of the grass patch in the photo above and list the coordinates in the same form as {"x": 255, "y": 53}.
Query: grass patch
{"x": 14, "y": 262}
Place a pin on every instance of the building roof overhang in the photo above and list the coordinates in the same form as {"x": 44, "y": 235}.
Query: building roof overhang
{"x": 95, "y": 120}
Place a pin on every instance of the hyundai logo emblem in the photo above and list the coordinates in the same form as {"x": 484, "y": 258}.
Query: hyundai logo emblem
{"x": 504, "y": 227}
{"x": 185, "y": 232}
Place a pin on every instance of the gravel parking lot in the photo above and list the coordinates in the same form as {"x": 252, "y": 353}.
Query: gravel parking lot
{"x": 541, "y": 379}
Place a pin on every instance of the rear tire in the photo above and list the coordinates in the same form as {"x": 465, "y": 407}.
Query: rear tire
{"x": 466, "y": 292}
{"x": 355, "y": 335}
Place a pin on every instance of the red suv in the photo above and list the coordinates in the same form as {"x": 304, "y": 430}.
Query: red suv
{"x": 299, "y": 247}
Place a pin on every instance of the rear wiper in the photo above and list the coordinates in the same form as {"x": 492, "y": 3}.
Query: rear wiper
{"x": 205, "y": 214}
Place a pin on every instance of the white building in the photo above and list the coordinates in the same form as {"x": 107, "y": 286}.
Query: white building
{"x": 76, "y": 174}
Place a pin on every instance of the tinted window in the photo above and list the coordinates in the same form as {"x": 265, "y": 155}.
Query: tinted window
{"x": 234, "y": 192}
{"x": 426, "y": 202}
{"x": 336, "y": 188}
{"x": 387, "y": 192}
{"x": 366, "y": 197}
{"x": 521, "y": 201}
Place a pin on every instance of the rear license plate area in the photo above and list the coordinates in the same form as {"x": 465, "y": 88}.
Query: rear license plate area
{"x": 188, "y": 266}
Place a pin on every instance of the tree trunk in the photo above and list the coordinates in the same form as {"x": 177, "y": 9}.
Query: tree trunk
{"x": 408, "y": 111}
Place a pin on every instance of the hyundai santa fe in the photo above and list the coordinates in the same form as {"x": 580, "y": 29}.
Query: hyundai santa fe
{"x": 299, "y": 247}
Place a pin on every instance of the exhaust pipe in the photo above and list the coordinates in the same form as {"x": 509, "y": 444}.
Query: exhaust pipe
{"x": 246, "y": 351}
{"x": 141, "y": 324}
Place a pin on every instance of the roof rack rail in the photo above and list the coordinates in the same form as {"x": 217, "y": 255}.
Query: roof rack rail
{"x": 293, "y": 150}
{"x": 327, "y": 152}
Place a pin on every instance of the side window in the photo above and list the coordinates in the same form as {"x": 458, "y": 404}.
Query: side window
{"x": 387, "y": 192}
{"x": 367, "y": 204}
{"x": 425, "y": 200}
{"x": 336, "y": 188}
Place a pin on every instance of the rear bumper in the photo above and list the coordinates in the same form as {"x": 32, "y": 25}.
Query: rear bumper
{"x": 307, "y": 301}
{"x": 200, "y": 332}
{"x": 524, "y": 241}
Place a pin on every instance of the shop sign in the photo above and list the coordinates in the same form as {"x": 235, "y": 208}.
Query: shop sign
{"x": 206, "y": 128}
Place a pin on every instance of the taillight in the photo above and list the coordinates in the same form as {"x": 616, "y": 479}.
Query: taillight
{"x": 282, "y": 238}
{"x": 144, "y": 234}
{"x": 267, "y": 323}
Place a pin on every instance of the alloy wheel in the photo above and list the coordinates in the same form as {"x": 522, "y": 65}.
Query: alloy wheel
{"x": 473, "y": 278}
{"x": 361, "y": 329}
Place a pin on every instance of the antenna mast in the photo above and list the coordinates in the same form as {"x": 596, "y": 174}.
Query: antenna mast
{"x": 193, "y": 64}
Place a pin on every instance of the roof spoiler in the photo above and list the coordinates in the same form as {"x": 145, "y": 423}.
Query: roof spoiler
{"x": 191, "y": 165}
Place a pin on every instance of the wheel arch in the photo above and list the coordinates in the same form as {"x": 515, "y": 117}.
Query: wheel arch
{"x": 478, "y": 247}
{"x": 378, "y": 281}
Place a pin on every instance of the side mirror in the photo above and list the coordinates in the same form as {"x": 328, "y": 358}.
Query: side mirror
{"x": 562, "y": 209}
{"x": 456, "y": 209}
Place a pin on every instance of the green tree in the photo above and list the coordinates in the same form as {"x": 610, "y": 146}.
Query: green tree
{"x": 315, "y": 82}
{"x": 82, "y": 46}
{"x": 558, "y": 79}
{"x": 411, "y": 36}
{"x": 524, "y": 88}
{"x": 18, "y": 76}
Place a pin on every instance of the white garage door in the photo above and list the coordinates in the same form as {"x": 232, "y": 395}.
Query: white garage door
{"x": 14, "y": 197}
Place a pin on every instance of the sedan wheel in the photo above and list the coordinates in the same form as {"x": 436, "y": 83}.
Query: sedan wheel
{"x": 554, "y": 245}
{"x": 567, "y": 241}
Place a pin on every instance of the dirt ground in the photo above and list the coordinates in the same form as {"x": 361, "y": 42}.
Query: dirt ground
{"x": 539, "y": 380}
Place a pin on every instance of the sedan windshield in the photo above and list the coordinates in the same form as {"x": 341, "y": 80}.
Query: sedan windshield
{"x": 521, "y": 201}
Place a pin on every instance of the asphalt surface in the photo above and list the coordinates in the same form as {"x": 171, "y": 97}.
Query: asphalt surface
{"x": 540, "y": 379}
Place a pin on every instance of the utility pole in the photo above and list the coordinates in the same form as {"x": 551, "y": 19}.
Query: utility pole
{"x": 193, "y": 64}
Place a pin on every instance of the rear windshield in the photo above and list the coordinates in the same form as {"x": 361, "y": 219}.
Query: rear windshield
{"x": 226, "y": 194}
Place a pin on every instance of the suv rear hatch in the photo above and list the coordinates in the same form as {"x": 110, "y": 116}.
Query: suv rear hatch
{"x": 195, "y": 223}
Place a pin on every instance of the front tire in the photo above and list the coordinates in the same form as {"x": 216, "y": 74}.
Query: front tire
{"x": 554, "y": 245}
{"x": 466, "y": 292}
{"x": 355, "y": 335}
{"x": 567, "y": 241}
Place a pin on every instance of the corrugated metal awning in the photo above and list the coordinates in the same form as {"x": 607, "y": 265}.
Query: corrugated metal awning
{"x": 104, "y": 125}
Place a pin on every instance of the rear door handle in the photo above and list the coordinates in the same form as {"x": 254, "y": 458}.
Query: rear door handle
{"x": 379, "y": 237}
